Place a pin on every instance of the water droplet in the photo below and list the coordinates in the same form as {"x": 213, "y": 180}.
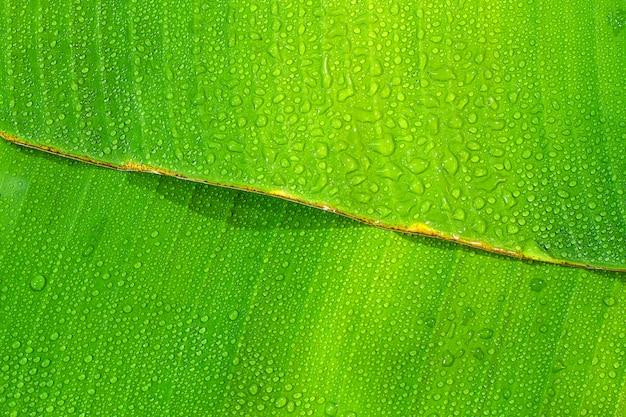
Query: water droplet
{"x": 448, "y": 359}
{"x": 280, "y": 402}
{"x": 485, "y": 333}
{"x": 88, "y": 250}
{"x": 442, "y": 74}
{"x": 233, "y": 315}
{"x": 468, "y": 314}
{"x": 563, "y": 193}
{"x": 609, "y": 301}
{"x": 417, "y": 166}
{"x": 384, "y": 145}
{"x": 478, "y": 353}
{"x": 331, "y": 409}
{"x": 479, "y": 203}
{"x": 38, "y": 283}
{"x": 459, "y": 214}
{"x": 236, "y": 101}
{"x": 558, "y": 366}
{"x": 430, "y": 322}
{"x": 537, "y": 284}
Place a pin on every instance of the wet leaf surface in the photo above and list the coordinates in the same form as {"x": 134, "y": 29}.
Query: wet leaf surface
{"x": 501, "y": 125}
{"x": 131, "y": 294}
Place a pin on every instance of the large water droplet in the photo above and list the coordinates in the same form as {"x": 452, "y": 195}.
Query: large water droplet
{"x": 38, "y": 283}
{"x": 447, "y": 359}
{"x": 537, "y": 284}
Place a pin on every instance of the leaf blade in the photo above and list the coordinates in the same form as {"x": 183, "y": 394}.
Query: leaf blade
{"x": 173, "y": 297}
{"x": 499, "y": 161}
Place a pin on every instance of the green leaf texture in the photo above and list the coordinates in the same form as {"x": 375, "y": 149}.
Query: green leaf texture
{"x": 127, "y": 294}
{"x": 500, "y": 124}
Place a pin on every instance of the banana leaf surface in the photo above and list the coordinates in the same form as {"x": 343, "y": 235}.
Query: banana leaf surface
{"x": 498, "y": 124}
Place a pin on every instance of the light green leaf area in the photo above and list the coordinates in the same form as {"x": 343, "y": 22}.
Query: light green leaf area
{"x": 500, "y": 124}
{"x": 127, "y": 294}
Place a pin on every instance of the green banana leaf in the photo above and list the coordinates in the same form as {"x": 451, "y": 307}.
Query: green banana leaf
{"x": 499, "y": 124}
{"x": 129, "y": 294}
